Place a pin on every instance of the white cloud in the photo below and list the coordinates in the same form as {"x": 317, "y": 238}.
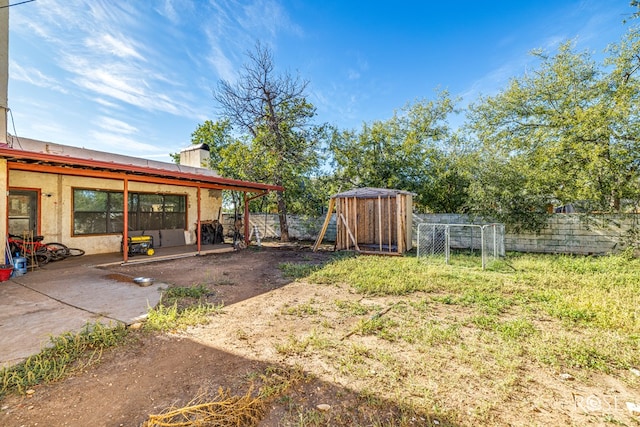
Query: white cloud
{"x": 114, "y": 125}
{"x": 170, "y": 11}
{"x": 498, "y": 78}
{"x": 223, "y": 66}
{"x": 106, "y": 103}
{"x": 176, "y": 10}
{"x": 353, "y": 74}
{"x": 551, "y": 43}
{"x": 115, "y": 60}
{"x": 119, "y": 142}
{"x": 491, "y": 82}
{"x": 35, "y": 77}
{"x": 231, "y": 28}
{"x": 100, "y": 45}
{"x": 591, "y": 22}
{"x": 360, "y": 66}
{"x": 54, "y": 131}
{"x": 268, "y": 16}
{"x": 113, "y": 45}
{"x": 118, "y": 88}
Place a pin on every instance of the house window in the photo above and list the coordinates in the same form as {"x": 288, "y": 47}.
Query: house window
{"x": 97, "y": 212}
{"x": 102, "y": 212}
{"x": 157, "y": 211}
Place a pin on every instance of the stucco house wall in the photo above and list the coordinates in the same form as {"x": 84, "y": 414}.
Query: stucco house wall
{"x": 56, "y": 210}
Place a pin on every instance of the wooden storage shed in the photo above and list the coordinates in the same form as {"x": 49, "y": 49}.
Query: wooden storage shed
{"x": 371, "y": 220}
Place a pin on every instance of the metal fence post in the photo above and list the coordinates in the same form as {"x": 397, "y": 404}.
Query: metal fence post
{"x": 447, "y": 243}
{"x": 482, "y": 253}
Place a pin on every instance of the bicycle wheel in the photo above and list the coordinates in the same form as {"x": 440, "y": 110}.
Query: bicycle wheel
{"x": 57, "y": 251}
{"x": 41, "y": 258}
{"x": 75, "y": 252}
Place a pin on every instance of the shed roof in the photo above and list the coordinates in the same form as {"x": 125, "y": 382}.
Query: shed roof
{"x": 24, "y": 151}
{"x": 369, "y": 192}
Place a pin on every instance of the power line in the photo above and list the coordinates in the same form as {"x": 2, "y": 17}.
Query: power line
{"x": 16, "y": 4}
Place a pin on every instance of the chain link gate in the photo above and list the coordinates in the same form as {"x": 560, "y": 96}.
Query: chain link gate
{"x": 437, "y": 240}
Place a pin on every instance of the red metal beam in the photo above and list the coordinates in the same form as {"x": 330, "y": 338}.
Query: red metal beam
{"x": 246, "y": 213}
{"x": 28, "y": 167}
{"x": 198, "y": 222}
{"x": 246, "y": 220}
{"x": 125, "y": 225}
{"x": 27, "y": 160}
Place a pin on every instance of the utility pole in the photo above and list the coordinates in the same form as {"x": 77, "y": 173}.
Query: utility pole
{"x": 4, "y": 68}
{"x": 4, "y": 107}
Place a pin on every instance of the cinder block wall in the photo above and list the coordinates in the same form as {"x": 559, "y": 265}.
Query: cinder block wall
{"x": 300, "y": 227}
{"x": 565, "y": 233}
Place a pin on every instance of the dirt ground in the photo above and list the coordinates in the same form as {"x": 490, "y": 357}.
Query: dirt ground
{"x": 154, "y": 372}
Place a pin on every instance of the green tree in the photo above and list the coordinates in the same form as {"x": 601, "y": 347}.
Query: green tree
{"x": 217, "y": 135}
{"x": 411, "y": 151}
{"x": 564, "y": 132}
{"x": 635, "y": 4}
{"x": 280, "y": 144}
{"x": 447, "y": 181}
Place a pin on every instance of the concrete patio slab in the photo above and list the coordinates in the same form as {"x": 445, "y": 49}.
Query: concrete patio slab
{"x": 50, "y": 302}
{"x": 64, "y": 296}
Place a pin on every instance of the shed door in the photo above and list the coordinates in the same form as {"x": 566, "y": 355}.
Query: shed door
{"x": 23, "y": 212}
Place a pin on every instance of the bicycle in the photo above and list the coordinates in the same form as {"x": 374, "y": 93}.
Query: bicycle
{"x": 238, "y": 237}
{"x": 41, "y": 252}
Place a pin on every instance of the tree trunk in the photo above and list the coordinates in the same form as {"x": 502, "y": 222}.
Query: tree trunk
{"x": 282, "y": 216}
{"x": 615, "y": 200}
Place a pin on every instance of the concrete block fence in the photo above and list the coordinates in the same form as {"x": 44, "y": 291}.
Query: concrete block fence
{"x": 565, "y": 233}
{"x": 300, "y": 227}
{"x": 583, "y": 234}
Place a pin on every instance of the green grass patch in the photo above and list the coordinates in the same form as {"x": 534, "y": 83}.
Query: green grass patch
{"x": 64, "y": 355}
{"x": 181, "y": 307}
{"x": 438, "y": 334}
{"x": 172, "y": 318}
{"x": 301, "y": 310}
{"x": 590, "y": 306}
{"x": 297, "y": 270}
{"x": 297, "y": 345}
{"x": 175, "y": 293}
{"x": 591, "y": 350}
{"x": 515, "y": 330}
{"x": 382, "y": 327}
{"x": 353, "y": 308}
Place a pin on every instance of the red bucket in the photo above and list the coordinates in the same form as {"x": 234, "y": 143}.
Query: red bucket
{"x": 5, "y": 272}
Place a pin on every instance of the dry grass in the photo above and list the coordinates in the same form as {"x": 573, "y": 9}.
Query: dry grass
{"x": 414, "y": 343}
{"x": 223, "y": 411}
{"x": 227, "y": 410}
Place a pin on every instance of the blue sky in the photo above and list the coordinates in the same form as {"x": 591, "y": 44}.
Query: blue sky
{"x": 137, "y": 77}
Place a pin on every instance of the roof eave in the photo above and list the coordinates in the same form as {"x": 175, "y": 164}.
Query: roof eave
{"x": 11, "y": 154}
